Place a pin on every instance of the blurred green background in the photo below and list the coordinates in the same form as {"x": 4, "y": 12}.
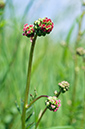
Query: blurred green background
{"x": 53, "y": 61}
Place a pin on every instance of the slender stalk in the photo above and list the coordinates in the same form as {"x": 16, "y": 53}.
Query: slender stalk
{"x": 40, "y": 118}
{"x": 75, "y": 68}
{"x": 44, "y": 109}
{"x": 28, "y": 82}
{"x": 83, "y": 119}
{"x": 36, "y": 100}
{"x": 59, "y": 93}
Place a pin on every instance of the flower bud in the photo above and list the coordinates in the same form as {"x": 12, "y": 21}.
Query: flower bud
{"x": 80, "y": 51}
{"x": 47, "y": 103}
{"x": 64, "y": 86}
{"x": 43, "y": 26}
{"x": 28, "y": 30}
{"x": 53, "y": 103}
{"x": 55, "y": 92}
{"x": 81, "y": 33}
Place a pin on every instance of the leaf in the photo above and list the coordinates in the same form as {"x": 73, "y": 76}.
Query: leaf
{"x": 29, "y": 117}
{"x": 29, "y": 109}
{"x": 18, "y": 108}
{"x": 70, "y": 32}
{"x": 27, "y": 9}
{"x": 21, "y": 105}
{"x": 60, "y": 127}
{"x": 30, "y": 125}
{"x": 1, "y": 12}
{"x": 65, "y": 53}
{"x": 2, "y": 24}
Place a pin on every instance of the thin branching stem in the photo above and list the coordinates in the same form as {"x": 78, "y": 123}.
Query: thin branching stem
{"x": 36, "y": 100}
{"x": 40, "y": 118}
{"x": 59, "y": 93}
{"x": 45, "y": 108}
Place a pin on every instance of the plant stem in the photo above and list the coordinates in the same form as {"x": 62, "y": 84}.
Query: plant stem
{"x": 36, "y": 100}
{"x": 59, "y": 93}
{"x": 40, "y": 118}
{"x": 75, "y": 69}
{"x": 83, "y": 119}
{"x": 28, "y": 82}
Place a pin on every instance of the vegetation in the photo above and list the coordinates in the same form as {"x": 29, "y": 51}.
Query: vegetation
{"x": 53, "y": 63}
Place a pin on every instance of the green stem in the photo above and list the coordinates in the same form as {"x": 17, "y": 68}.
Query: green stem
{"x": 36, "y": 100}
{"x": 59, "y": 93}
{"x": 76, "y": 61}
{"x": 83, "y": 119}
{"x": 75, "y": 69}
{"x": 40, "y": 118}
{"x": 44, "y": 109}
{"x": 28, "y": 82}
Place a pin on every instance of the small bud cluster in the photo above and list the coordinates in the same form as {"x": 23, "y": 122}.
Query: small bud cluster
{"x": 28, "y": 30}
{"x": 34, "y": 95}
{"x": 80, "y": 51}
{"x": 64, "y": 86}
{"x": 43, "y": 26}
{"x": 53, "y": 103}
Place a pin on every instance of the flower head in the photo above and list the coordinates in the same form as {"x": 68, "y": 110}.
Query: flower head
{"x": 28, "y": 30}
{"x": 53, "y": 103}
{"x": 64, "y": 86}
{"x": 43, "y": 26}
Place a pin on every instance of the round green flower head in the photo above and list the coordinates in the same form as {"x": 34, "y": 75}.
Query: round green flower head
{"x": 64, "y": 86}
{"x": 53, "y": 103}
{"x": 43, "y": 26}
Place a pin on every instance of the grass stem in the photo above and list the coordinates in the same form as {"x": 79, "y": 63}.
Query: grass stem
{"x": 83, "y": 118}
{"x": 75, "y": 69}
